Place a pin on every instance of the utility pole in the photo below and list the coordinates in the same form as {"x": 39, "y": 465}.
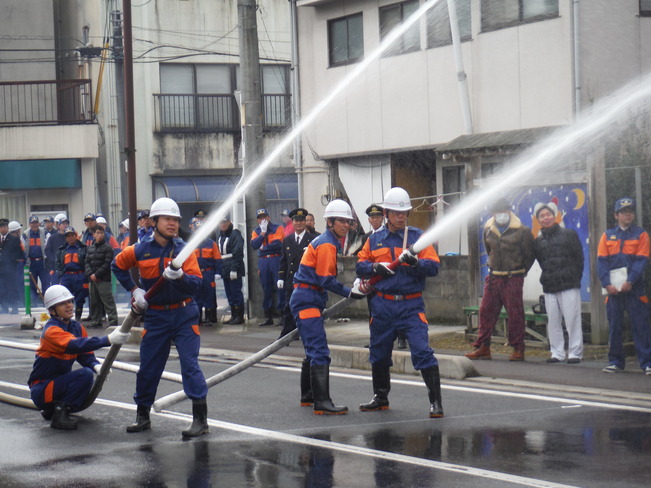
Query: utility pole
{"x": 129, "y": 130}
{"x": 118, "y": 62}
{"x": 251, "y": 146}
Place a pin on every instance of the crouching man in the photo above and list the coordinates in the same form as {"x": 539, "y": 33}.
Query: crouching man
{"x": 55, "y": 388}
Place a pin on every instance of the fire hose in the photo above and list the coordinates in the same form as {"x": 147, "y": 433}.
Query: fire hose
{"x": 174, "y": 398}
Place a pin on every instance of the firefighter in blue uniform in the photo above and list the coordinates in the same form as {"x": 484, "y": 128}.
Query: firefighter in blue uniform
{"x": 294, "y": 246}
{"x": 267, "y": 239}
{"x": 210, "y": 263}
{"x": 170, "y": 315}
{"x": 70, "y": 266}
{"x": 35, "y": 243}
{"x": 316, "y": 274}
{"x": 397, "y": 305}
{"x": 54, "y": 241}
{"x": 55, "y": 388}
{"x": 625, "y": 248}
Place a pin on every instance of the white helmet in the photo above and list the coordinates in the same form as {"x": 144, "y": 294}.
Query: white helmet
{"x": 14, "y": 226}
{"x": 166, "y": 207}
{"x": 100, "y": 220}
{"x": 397, "y": 199}
{"x": 60, "y": 218}
{"x": 338, "y": 208}
{"x": 56, "y": 294}
{"x": 125, "y": 223}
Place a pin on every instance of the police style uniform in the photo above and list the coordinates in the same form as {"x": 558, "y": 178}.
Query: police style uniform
{"x": 172, "y": 315}
{"x": 293, "y": 248}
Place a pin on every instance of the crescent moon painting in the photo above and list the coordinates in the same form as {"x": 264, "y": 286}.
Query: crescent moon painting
{"x": 580, "y": 198}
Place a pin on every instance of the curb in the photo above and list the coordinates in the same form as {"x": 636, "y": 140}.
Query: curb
{"x": 349, "y": 357}
{"x": 451, "y": 367}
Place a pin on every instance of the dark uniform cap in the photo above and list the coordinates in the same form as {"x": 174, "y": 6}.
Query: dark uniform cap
{"x": 374, "y": 209}
{"x": 33, "y": 218}
{"x": 262, "y": 212}
{"x": 500, "y": 205}
{"x": 286, "y": 213}
{"x": 70, "y": 230}
{"x": 142, "y": 214}
{"x": 4, "y": 222}
{"x": 49, "y": 218}
{"x": 298, "y": 214}
{"x": 89, "y": 216}
{"x": 200, "y": 213}
{"x": 625, "y": 202}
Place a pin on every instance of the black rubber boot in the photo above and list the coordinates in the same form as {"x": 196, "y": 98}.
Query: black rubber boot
{"x": 433, "y": 382}
{"x": 320, "y": 381}
{"x": 142, "y": 420}
{"x": 237, "y": 315}
{"x": 47, "y": 412}
{"x": 199, "y": 424}
{"x": 381, "y": 388}
{"x": 306, "y": 385}
{"x": 269, "y": 314}
{"x": 78, "y": 312}
{"x": 211, "y": 317}
{"x": 61, "y": 417}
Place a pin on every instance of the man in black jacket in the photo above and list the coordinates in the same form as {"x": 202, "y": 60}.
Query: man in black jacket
{"x": 294, "y": 246}
{"x": 559, "y": 253}
{"x": 98, "y": 271}
{"x": 231, "y": 246}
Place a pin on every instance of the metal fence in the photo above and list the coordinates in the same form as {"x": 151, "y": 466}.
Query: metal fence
{"x": 45, "y": 102}
{"x": 214, "y": 113}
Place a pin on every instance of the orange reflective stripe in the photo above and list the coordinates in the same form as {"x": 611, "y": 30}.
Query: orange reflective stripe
{"x": 196, "y": 330}
{"x": 127, "y": 258}
{"x": 149, "y": 268}
{"x": 190, "y": 266}
{"x": 422, "y": 317}
{"x": 48, "y": 393}
{"x": 309, "y": 313}
{"x": 644, "y": 299}
{"x": 602, "y": 249}
{"x": 429, "y": 253}
{"x": 326, "y": 262}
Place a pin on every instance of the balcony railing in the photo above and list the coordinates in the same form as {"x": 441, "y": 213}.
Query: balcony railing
{"x": 46, "y": 102}
{"x": 214, "y": 113}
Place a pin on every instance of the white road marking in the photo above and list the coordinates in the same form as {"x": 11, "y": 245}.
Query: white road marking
{"x": 343, "y": 448}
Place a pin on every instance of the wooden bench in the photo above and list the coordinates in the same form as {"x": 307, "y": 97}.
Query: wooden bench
{"x": 531, "y": 319}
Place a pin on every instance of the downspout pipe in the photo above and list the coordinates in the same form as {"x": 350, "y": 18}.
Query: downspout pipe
{"x": 461, "y": 72}
{"x": 296, "y": 99}
{"x": 576, "y": 45}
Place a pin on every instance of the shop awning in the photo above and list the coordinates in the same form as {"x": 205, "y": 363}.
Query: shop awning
{"x": 210, "y": 189}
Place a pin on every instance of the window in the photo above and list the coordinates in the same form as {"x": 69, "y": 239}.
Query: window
{"x": 438, "y": 23}
{"x": 345, "y": 40}
{"x": 391, "y": 17}
{"x": 200, "y": 97}
{"x": 645, "y": 8}
{"x": 497, "y": 14}
{"x": 454, "y": 183}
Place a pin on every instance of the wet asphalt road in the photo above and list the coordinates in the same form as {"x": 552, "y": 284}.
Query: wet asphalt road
{"x": 261, "y": 437}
